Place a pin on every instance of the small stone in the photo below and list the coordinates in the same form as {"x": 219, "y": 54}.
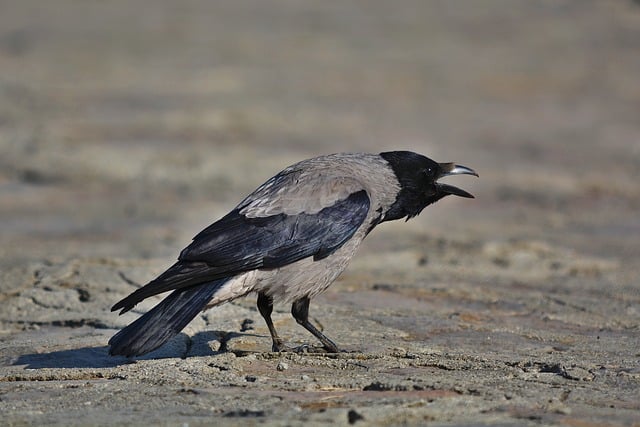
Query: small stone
{"x": 399, "y": 352}
{"x": 282, "y": 366}
{"x": 353, "y": 416}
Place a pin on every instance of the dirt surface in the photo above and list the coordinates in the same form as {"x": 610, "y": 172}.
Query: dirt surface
{"x": 128, "y": 126}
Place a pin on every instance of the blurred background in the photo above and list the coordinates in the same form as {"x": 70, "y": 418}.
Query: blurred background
{"x": 127, "y": 126}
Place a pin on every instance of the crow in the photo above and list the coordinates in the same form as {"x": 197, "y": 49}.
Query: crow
{"x": 287, "y": 241}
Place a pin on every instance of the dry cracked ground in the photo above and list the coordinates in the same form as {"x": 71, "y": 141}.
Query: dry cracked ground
{"x": 128, "y": 126}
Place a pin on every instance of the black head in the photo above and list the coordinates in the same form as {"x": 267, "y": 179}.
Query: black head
{"x": 419, "y": 187}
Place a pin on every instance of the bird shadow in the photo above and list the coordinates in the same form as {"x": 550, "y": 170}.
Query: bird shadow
{"x": 84, "y": 357}
{"x": 199, "y": 345}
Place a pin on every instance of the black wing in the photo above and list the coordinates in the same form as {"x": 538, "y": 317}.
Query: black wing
{"x": 237, "y": 244}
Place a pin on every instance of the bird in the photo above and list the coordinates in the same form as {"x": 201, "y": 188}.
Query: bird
{"x": 286, "y": 242}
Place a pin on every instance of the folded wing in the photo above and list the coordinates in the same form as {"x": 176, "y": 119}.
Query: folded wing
{"x": 237, "y": 243}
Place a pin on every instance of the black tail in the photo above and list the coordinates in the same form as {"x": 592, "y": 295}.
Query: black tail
{"x": 163, "y": 321}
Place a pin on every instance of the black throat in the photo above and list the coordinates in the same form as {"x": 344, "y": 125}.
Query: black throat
{"x": 416, "y": 176}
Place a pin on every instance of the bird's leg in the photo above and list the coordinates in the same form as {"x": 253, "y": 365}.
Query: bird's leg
{"x": 265, "y": 307}
{"x": 300, "y": 312}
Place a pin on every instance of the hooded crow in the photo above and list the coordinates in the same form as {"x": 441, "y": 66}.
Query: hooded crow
{"x": 287, "y": 241}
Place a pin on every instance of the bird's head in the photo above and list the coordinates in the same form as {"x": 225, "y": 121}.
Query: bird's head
{"x": 418, "y": 178}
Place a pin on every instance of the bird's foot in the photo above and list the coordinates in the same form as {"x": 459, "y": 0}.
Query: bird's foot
{"x": 304, "y": 348}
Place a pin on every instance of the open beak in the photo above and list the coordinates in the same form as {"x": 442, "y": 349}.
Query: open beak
{"x": 453, "y": 169}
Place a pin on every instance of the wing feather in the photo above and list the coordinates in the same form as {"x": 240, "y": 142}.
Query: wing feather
{"x": 237, "y": 243}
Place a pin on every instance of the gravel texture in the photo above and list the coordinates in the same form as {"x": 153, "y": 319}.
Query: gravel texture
{"x": 128, "y": 126}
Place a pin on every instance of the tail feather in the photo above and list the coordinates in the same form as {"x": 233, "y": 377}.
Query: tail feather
{"x": 163, "y": 321}
{"x": 181, "y": 275}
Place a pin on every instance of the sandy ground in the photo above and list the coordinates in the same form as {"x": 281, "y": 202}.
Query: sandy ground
{"x": 128, "y": 126}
